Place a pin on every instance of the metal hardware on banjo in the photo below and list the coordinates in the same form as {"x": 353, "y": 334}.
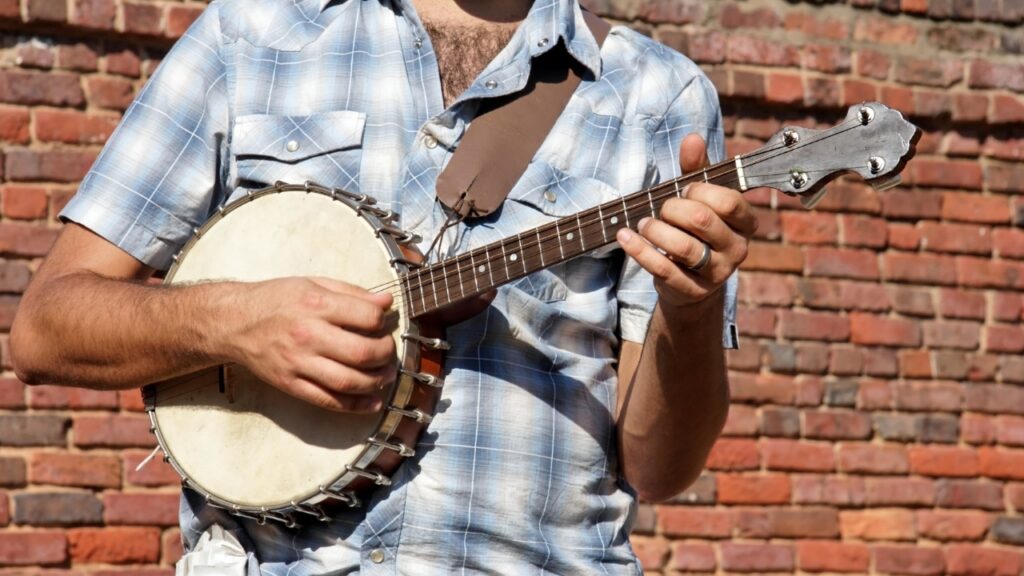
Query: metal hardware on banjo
{"x": 259, "y": 453}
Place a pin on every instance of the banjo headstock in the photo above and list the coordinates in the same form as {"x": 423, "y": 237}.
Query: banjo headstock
{"x": 873, "y": 141}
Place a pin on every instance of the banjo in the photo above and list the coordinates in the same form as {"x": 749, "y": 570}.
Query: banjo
{"x": 259, "y": 453}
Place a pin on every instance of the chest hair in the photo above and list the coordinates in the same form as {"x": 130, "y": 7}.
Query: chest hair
{"x": 463, "y": 51}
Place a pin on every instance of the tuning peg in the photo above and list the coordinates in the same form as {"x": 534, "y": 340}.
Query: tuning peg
{"x": 883, "y": 184}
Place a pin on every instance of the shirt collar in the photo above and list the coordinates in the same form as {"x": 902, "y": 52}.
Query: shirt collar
{"x": 548, "y": 22}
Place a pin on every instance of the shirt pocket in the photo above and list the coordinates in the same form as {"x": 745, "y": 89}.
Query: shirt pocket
{"x": 544, "y": 194}
{"x": 324, "y": 148}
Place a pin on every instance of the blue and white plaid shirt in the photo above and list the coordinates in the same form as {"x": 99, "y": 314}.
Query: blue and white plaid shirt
{"x": 518, "y": 473}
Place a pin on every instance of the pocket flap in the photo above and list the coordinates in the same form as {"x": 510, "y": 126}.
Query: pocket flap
{"x": 293, "y": 138}
{"x": 557, "y": 193}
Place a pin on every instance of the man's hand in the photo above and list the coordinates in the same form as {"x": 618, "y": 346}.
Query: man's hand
{"x": 323, "y": 341}
{"x": 669, "y": 246}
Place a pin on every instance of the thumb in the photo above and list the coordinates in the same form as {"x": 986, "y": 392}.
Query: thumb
{"x": 693, "y": 153}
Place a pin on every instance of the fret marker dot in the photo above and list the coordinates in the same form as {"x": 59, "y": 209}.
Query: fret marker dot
{"x": 481, "y": 269}
{"x": 615, "y": 220}
{"x": 514, "y": 257}
{"x": 569, "y": 236}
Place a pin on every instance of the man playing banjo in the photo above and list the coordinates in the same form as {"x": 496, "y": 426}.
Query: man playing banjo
{"x": 578, "y": 389}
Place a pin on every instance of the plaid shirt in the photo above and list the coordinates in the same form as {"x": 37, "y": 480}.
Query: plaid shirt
{"x": 518, "y": 472}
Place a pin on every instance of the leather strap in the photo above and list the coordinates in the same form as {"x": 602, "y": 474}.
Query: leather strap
{"x": 507, "y": 132}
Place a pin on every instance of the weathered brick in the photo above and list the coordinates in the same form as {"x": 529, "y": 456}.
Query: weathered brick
{"x": 12, "y": 471}
{"x": 961, "y": 335}
{"x": 928, "y": 396}
{"x": 780, "y": 422}
{"x": 55, "y": 11}
{"x": 834, "y": 425}
{"x": 894, "y": 491}
{"x": 912, "y": 560}
{"x": 938, "y": 428}
{"x": 44, "y": 548}
{"x": 943, "y": 461}
{"x": 871, "y": 330}
{"x": 919, "y": 268}
{"x": 739, "y": 557}
{"x": 32, "y": 430}
{"x": 57, "y": 508}
{"x": 995, "y": 398}
{"x": 787, "y": 523}
{"x": 1001, "y": 463}
{"x": 1008, "y": 530}
{"x": 703, "y": 491}
{"x": 155, "y": 473}
{"x": 60, "y": 165}
{"x": 877, "y": 524}
{"x": 873, "y": 459}
{"x": 693, "y": 557}
{"x": 828, "y": 556}
{"x": 691, "y": 522}
{"x": 109, "y": 92}
{"x": 970, "y": 560}
{"x": 969, "y": 494}
{"x": 757, "y": 489}
{"x": 24, "y": 202}
{"x": 792, "y": 455}
{"x": 118, "y": 431}
{"x": 845, "y": 491}
{"x": 842, "y": 263}
{"x": 814, "y": 326}
{"x": 35, "y": 88}
{"x": 66, "y": 469}
{"x": 945, "y": 525}
{"x": 143, "y": 508}
{"x": 734, "y": 454}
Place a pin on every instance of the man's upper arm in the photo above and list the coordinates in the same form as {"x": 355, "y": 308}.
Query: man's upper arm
{"x": 79, "y": 249}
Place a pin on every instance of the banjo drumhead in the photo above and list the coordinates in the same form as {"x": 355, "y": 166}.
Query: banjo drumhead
{"x": 251, "y": 444}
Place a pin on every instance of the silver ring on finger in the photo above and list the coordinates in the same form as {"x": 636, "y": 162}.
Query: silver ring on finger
{"x": 705, "y": 257}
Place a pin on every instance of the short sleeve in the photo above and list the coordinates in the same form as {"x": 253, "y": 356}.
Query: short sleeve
{"x": 695, "y": 109}
{"x": 157, "y": 177}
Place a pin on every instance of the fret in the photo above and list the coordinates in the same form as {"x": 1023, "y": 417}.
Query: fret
{"x": 522, "y": 252}
{"x": 558, "y": 236}
{"x": 705, "y": 172}
{"x": 504, "y": 258}
{"x": 679, "y": 193}
{"x": 423, "y": 293}
{"x": 625, "y": 211}
{"x": 579, "y": 228}
{"x": 489, "y": 265}
{"x": 600, "y": 219}
{"x": 473, "y": 269}
{"x": 650, "y": 201}
{"x": 540, "y": 247}
{"x": 458, "y": 270}
{"x": 444, "y": 280}
{"x": 433, "y": 287}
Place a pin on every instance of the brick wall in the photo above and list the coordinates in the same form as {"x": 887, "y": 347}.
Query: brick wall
{"x": 878, "y": 400}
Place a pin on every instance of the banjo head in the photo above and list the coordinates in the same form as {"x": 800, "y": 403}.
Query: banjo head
{"x": 234, "y": 438}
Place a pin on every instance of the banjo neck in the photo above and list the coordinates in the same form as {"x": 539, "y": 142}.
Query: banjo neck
{"x": 873, "y": 141}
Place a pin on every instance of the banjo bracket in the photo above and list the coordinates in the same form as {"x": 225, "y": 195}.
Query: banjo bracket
{"x": 348, "y": 498}
{"x": 398, "y": 447}
{"x": 432, "y": 343}
{"x": 312, "y": 511}
{"x": 376, "y": 477}
{"x": 417, "y": 414}
{"x": 423, "y": 378}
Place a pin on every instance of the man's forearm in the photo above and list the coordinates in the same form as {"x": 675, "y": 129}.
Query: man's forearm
{"x": 674, "y": 406}
{"x": 87, "y": 330}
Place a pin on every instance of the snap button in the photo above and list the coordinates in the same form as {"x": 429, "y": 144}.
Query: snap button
{"x": 418, "y": 44}
{"x": 543, "y": 42}
{"x": 429, "y": 141}
{"x": 292, "y": 146}
{"x": 377, "y": 555}
{"x": 491, "y": 84}
{"x": 550, "y": 196}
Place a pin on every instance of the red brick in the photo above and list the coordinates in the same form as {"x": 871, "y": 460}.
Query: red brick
{"x": 760, "y": 489}
{"x": 896, "y": 491}
{"x": 78, "y": 57}
{"x": 60, "y": 165}
{"x": 845, "y": 361}
{"x": 115, "y": 545}
{"x": 734, "y": 454}
{"x": 904, "y": 237}
{"x": 932, "y": 102}
{"x": 962, "y": 335}
{"x": 868, "y": 329}
{"x": 963, "y": 144}
{"x": 996, "y": 399}
{"x": 1015, "y": 495}
{"x": 915, "y": 364}
{"x": 919, "y": 268}
{"x": 985, "y": 73}
{"x": 837, "y": 491}
{"x": 14, "y": 125}
{"x": 25, "y": 202}
{"x": 929, "y": 396}
{"x": 172, "y": 550}
{"x": 975, "y": 207}
{"x": 850, "y": 196}
{"x": 809, "y": 227}
{"x": 733, "y": 16}
{"x": 857, "y": 91}
{"x": 59, "y": 397}
{"x": 912, "y": 205}
{"x": 117, "y": 431}
{"x": 1002, "y": 463}
{"x": 842, "y": 263}
{"x": 965, "y": 559}
{"x": 814, "y": 326}
{"x": 983, "y": 273}
{"x": 756, "y": 321}
{"x": 961, "y": 174}
{"x": 1009, "y": 243}
{"x": 956, "y": 238}
{"x": 873, "y": 64}
{"x": 738, "y": 557}
{"x": 1003, "y": 338}
{"x": 142, "y": 18}
{"x": 970, "y": 107}
{"x": 880, "y": 30}
{"x": 969, "y": 494}
{"x": 899, "y": 98}
{"x": 1007, "y": 306}
{"x": 863, "y": 231}
{"x": 916, "y": 561}
{"x": 962, "y": 304}
{"x": 747, "y": 359}
{"x": 833, "y": 425}
{"x": 34, "y": 88}
{"x": 32, "y": 548}
{"x": 983, "y": 367}
{"x": 109, "y": 93}
{"x": 766, "y": 289}
{"x": 691, "y": 522}
{"x": 938, "y": 72}
{"x": 773, "y": 257}
{"x": 693, "y": 557}
{"x": 826, "y": 556}
{"x": 1004, "y": 147}
{"x": 747, "y": 49}
{"x": 1010, "y": 430}
{"x": 72, "y": 127}
{"x": 780, "y": 422}
{"x": 762, "y": 389}
{"x": 1006, "y": 109}
{"x": 784, "y": 88}
{"x": 946, "y": 525}
{"x": 155, "y": 473}
{"x": 792, "y": 455}
{"x": 877, "y": 524}
{"x": 977, "y": 429}
{"x": 943, "y": 461}
{"x": 911, "y": 301}
{"x": 65, "y": 469}
{"x": 787, "y": 523}
{"x": 742, "y": 421}
{"x": 748, "y": 84}
{"x": 179, "y": 18}
{"x": 873, "y": 459}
